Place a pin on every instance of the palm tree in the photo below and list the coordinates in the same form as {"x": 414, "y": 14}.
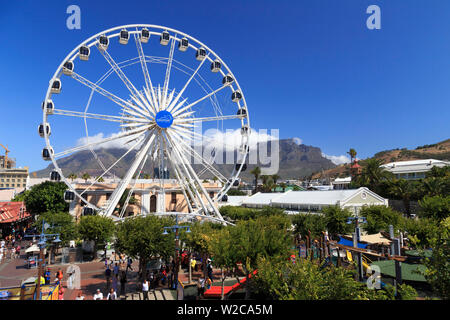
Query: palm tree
{"x": 265, "y": 178}
{"x": 404, "y": 190}
{"x": 372, "y": 174}
{"x": 72, "y": 176}
{"x": 352, "y": 153}
{"x": 86, "y": 176}
{"x": 275, "y": 178}
{"x": 256, "y": 172}
{"x": 100, "y": 179}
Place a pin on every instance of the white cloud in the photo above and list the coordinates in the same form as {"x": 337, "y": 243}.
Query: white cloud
{"x": 231, "y": 139}
{"x": 337, "y": 159}
{"x": 116, "y": 143}
{"x": 297, "y": 140}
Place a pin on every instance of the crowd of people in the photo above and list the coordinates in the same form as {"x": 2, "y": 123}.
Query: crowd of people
{"x": 116, "y": 273}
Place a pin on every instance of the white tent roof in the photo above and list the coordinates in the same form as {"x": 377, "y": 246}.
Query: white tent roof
{"x": 263, "y": 199}
{"x": 327, "y": 198}
{"x": 233, "y": 201}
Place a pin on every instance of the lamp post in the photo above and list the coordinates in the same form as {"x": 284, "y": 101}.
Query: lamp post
{"x": 175, "y": 228}
{"x": 42, "y": 242}
{"x": 356, "y": 239}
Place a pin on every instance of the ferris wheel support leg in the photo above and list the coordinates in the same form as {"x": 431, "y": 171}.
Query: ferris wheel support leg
{"x": 115, "y": 197}
{"x": 213, "y": 207}
{"x": 182, "y": 160}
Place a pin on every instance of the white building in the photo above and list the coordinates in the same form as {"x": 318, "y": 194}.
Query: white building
{"x": 341, "y": 183}
{"x": 315, "y": 201}
{"x": 414, "y": 169}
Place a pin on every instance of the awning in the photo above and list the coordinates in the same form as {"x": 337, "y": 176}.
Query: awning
{"x": 376, "y": 238}
{"x": 349, "y": 243}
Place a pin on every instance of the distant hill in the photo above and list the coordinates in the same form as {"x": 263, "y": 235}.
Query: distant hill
{"x": 295, "y": 161}
{"x": 438, "y": 151}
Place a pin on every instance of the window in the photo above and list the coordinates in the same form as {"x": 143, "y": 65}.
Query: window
{"x": 211, "y": 194}
{"x": 174, "y": 197}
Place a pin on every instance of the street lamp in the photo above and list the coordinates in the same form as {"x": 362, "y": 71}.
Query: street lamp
{"x": 175, "y": 228}
{"x": 356, "y": 239}
{"x": 42, "y": 242}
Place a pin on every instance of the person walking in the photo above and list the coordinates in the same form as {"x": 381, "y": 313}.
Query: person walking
{"x": 123, "y": 280}
{"x": 98, "y": 295}
{"x": 129, "y": 262}
{"x": 47, "y": 276}
{"x": 79, "y": 296}
{"x": 145, "y": 289}
{"x": 59, "y": 276}
{"x": 108, "y": 278}
{"x": 209, "y": 269}
{"x": 114, "y": 282}
{"x": 116, "y": 270}
{"x": 111, "y": 295}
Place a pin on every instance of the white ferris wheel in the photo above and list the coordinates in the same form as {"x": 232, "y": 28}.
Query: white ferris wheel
{"x": 146, "y": 98}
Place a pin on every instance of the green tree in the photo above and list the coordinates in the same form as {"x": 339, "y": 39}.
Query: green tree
{"x": 379, "y": 218}
{"x": 266, "y": 236}
{"x": 314, "y": 223}
{"x": 352, "y": 153}
{"x": 278, "y": 279}
{"x": 100, "y": 179}
{"x": 437, "y": 207}
{"x": 60, "y": 222}
{"x": 256, "y": 172}
{"x": 404, "y": 190}
{"x": 86, "y": 176}
{"x": 372, "y": 174}
{"x": 221, "y": 250}
{"x": 72, "y": 176}
{"x": 235, "y": 192}
{"x": 96, "y": 228}
{"x": 275, "y": 178}
{"x": 142, "y": 238}
{"x": 47, "y": 196}
{"x": 199, "y": 239}
{"x": 437, "y": 270}
{"x": 336, "y": 220}
{"x": 420, "y": 232}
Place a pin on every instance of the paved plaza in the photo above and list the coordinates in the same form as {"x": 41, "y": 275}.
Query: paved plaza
{"x": 14, "y": 271}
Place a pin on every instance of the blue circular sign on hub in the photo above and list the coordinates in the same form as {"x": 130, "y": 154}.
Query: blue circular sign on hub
{"x": 164, "y": 119}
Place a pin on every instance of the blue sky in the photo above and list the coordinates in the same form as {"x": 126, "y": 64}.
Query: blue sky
{"x": 309, "y": 68}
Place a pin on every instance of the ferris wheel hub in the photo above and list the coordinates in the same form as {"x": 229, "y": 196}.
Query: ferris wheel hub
{"x": 164, "y": 119}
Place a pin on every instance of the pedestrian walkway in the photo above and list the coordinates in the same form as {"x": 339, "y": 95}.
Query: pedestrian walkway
{"x": 156, "y": 294}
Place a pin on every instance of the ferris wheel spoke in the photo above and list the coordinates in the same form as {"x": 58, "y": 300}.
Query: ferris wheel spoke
{"x": 148, "y": 80}
{"x": 203, "y": 162}
{"x": 178, "y": 111}
{"x": 116, "y": 195}
{"x": 179, "y": 158}
{"x": 204, "y": 119}
{"x": 130, "y": 193}
{"x": 138, "y": 131}
{"x": 133, "y": 91}
{"x": 114, "y": 164}
{"x": 173, "y": 103}
{"x": 124, "y": 104}
{"x": 96, "y": 116}
{"x": 200, "y": 185}
{"x": 168, "y": 69}
{"x": 183, "y": 187}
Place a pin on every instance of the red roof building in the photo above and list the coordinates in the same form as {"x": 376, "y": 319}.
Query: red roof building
{"x": 13, "y": 212}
